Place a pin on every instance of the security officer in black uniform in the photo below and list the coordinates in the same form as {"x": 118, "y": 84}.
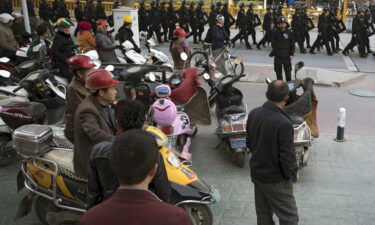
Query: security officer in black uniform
{"x": 154, "y": 21}
{"x": 143, "y": 17}
{"x": 357, "y": 36}
{"x": 164, "y": 20}
{"x": 251, "y": 19}
{"x": 298, "y": 29}
{"x": 277, "y": 12}
{"x": 305, "y": 20}
{"x": 89, "y": 14}
{"x": 193, "y": 22}
{"x": 323, "y": 33}
{"x": 227, "y": 17}
{"x": 332, "y": 30}
{"x": 242, "y": 24}
{"x": 367, "y": 22}
{"x": 212, "y": 16}
{"x": 268, "y": 25}
{"x": 218, "y": 8}
{"x": 200, "y": 15}
{"x": 184, "y": 17}
{"x": 172, "y": 19}
{"x": 283, "y": 48}
{"x": 100, "y": 13}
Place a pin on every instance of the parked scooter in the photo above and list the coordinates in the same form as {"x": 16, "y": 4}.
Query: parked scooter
{"x": 158, "y": 56}
{"x": 302, "y": 110}
{"x": 46, "y": 106}
{"x": 131, "y": 56}
{"x": 59, "y": 195}
{"x": 231, "y": 113}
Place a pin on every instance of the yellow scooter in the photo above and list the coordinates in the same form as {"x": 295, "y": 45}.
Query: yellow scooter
{"x": 48, "y": 174}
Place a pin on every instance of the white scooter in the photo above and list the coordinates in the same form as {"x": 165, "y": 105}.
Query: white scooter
{"x": 159, "y": 57}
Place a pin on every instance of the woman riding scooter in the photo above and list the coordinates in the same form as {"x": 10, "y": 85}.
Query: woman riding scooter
{"x": 80, "y": 66}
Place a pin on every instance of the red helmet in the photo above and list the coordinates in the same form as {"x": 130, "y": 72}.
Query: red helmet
{"x": 80, "y": 62}
{"x": 179, "y": 32}
{"x": 99, "y": 79}
{"x": 101, "y": 23}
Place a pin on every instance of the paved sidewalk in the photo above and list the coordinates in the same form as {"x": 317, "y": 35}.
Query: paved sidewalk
{"x": 326, "y": 77}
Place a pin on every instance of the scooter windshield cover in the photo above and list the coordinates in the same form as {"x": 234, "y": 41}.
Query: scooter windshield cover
{"x": 163, "y": 91}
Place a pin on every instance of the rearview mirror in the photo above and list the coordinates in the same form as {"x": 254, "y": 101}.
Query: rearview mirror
{"x": 206, "y": 76}
{"x": 4, "y": 60}
{"x": 4, "y": 73}
{"x": 151, "y": 77}
{"x": 110, "y": 68}
{"x": 238, "y": 60}
{"x": 184, "y": 56}
{"x": 299, "y": 65}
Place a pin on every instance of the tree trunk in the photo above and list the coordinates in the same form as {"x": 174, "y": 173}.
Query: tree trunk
{"x": 128, "y": 3}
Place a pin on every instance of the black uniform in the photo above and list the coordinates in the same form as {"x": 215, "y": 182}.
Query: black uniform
{"x": 90, "y": 15}
{"x": 323, "y": 34}
{"x": 164, "y": 21}
{"x": 45, "y": 14}
{"x": 193, "y": 22}
{"x": 200, "y": 15}
{"x": 243, "y": 25}
{"x": 64, "y": 12}
{"x": 212, "y": 16}
{"x": 227, "y": 17}
{"x": 6, "y": 7}
{"x": 184, "y": 18}
{"x": 172, "y": 20}
{"x": 298, "y": 30}
{"x": 305, "y": 20}
{"x": 268, "y": 21}
{"x": 155, "y": 22}
{"x": 143, "y": 17}
{"x": 62, "y": 49}
{"x": 78, "y": 14}
{"x": 251, "y": 26}
{"x": 333, "y": 34}
{"x": 367, "y": 22}
{"x": 282, "y": 49}
{"x": 357, "y": 37}
{"x": 100, "y": 13}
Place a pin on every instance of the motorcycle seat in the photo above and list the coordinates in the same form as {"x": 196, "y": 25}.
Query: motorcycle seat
{"x": 64, "y": 161}
{"x": 233, "y": 109}
{"x": 296, "y": 120}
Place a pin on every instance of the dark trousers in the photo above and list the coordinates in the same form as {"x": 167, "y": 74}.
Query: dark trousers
{"x": 266, "y": 38}
{"x": 155, "y": 28}
{"x": 299, "y": 38}
{"x": 200, "y": 31}
{"x": 252, "y": 32}
{"x": 194, "y": 32}
{"x": 185, "y": 26}
{"x": 278, "y": 64}
{"x": 275, "y": 198}
{"x": 323, "y": 37}
{"x": 242, "y": 35}
{"x": 337, "y": 39}
{"x": 165, "y": 31}
{"x": 367, "y": 43}
{"x": 357, "y": 40}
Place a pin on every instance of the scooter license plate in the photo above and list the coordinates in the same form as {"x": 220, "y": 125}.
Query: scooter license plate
{"x": 238, "y": 143}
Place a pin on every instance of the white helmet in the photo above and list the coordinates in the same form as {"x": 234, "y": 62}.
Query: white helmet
{"x": 17, "y": 15}
{"x": 5, "y": 18}
{"x": 219, "y": 18}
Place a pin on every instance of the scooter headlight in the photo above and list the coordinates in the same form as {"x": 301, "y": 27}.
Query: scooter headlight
{"x": 173, "y": 160}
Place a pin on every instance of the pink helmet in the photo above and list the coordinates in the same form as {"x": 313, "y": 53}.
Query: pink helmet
{"x": 164, "y": 112}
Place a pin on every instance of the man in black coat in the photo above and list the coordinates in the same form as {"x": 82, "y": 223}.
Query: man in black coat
{"x": 164, "y": 20}
{"x": 172, "y": 19}
{"x": 201, "y": 19}
{"x": 143, "y": 17}
{"x": 242, "y": 24}
{"x": 90, "y": 14}
{"x": 19, "y": 32}
{"x": 6, "y": 6}
{"x": 155, "y": 21}
{"x": 45, "y": 14}
{"x": 183, "y": 19}
{"x": 323, "y": 33}
{"x": 193, "y": 22}
{"x": 305, "y": 20}
{"x": 268, "y": 25}
{"x": 100, "y": 13}
{"x": 358, "y": 36}
{"x": 273, "y": 162}
{"x": 78, "y": 14}
{"x": 298, "y": 29}
{"x": 283, "y": 48}
{"x": 251, "y": 26}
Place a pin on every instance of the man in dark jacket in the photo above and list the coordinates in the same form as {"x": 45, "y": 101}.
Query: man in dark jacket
{"x": 193, "y": 22}
{"x": 164, "y": 20}
{"x": 305, "y": 21}
{"x": 366, "y": 23}
{"x": 268, "y": 25}
{"x": 100, "y": 13}
{"x": 134, "y": 159}
{"x": 125, "y": 33}
{"x": 90, "y": 14}
{"x": 251, "y": 26}
{"x": 155, "y": 22}
{"x": 45, "y": 13}
{"x": 183, "y": 15}
{"x": 78, "y": 14}
{"x": 283, "y": 48}
{"x": 228, "y": 18}
{"x": 219, "y": 38}
{"x": 172, "y": 20}
{"x": 357, "y": 36}
{"x": 32, "y": 17}
{"x": 102, "y": 182}
{"x": 298, "y": 29}
{"x": 6, "y": 6}
{"x": 94, "y": 121}
{"x": 64, "y": 10}
{"x": 201, "y": 19}
{"x": 323, "y": 33}
{"x": 242, "y": 24}
{"x": 143, "y": 17}
{"x": 63, "y": 48}
{"x": 273, "y": 163}
{"x": 18, "y": 27}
